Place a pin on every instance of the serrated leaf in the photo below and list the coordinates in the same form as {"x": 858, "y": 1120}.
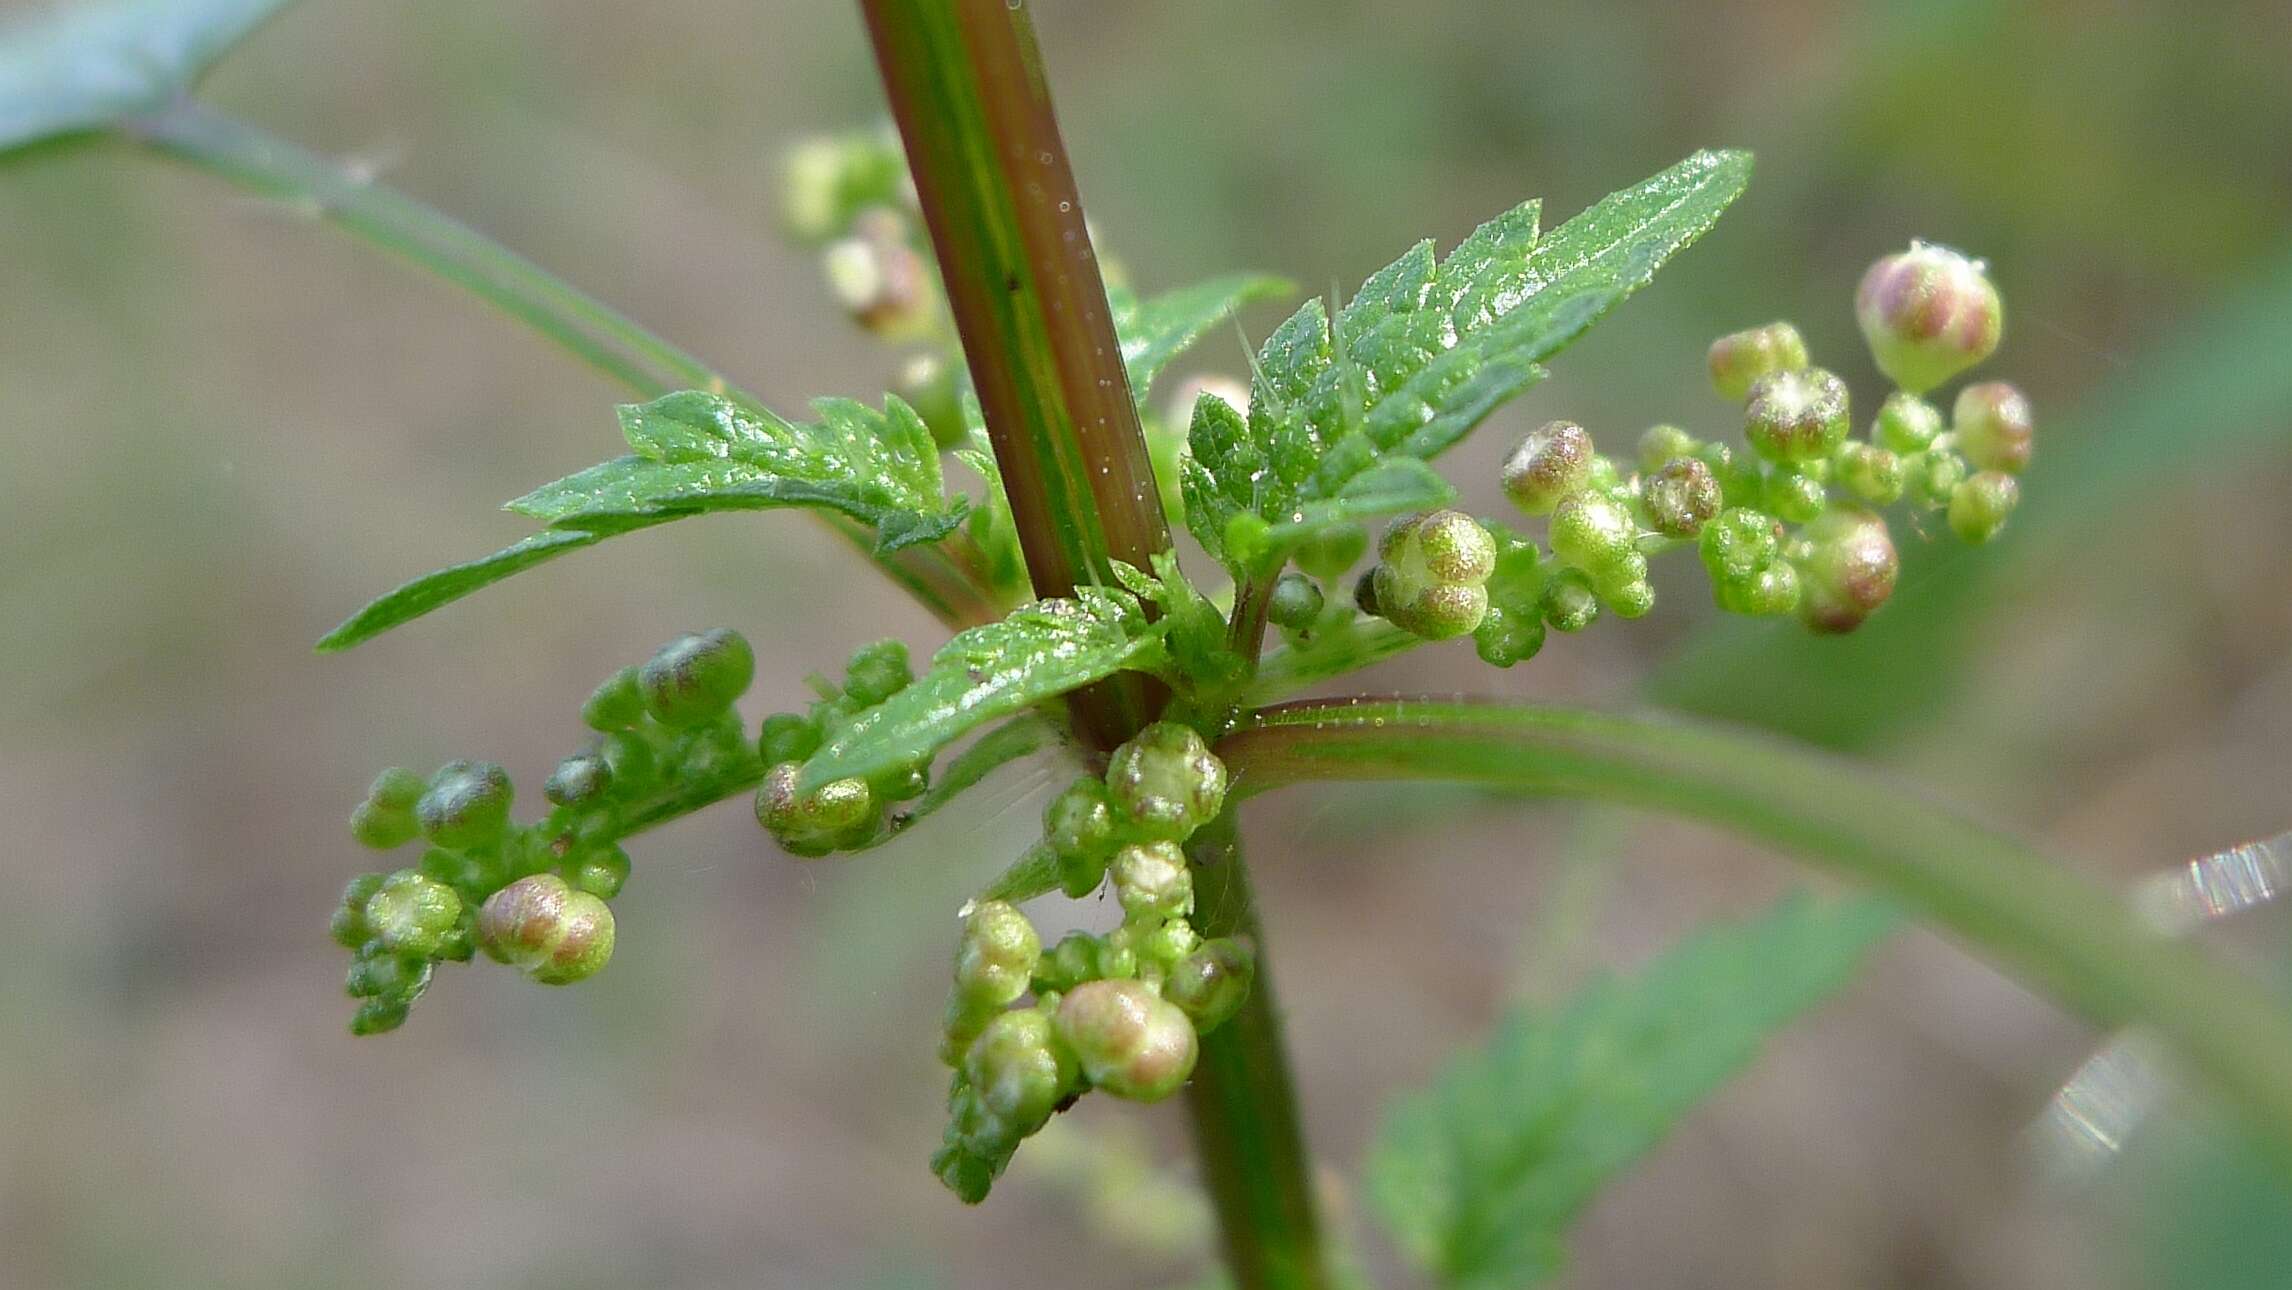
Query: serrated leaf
{"x": 1427, "y": 347}
{"x": 445, "y": 586}
{"x": 1040, "y": 652}
{"x": 698, "y": 452}
{"x": 85, "y": 66}
{"x": 1478, "y": 1177}
{"x": 1153, "y": 332}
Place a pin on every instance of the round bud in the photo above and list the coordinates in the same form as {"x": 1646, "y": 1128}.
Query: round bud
{"x": 1796, "y": 416}
{"x": 547, "y": 930}
{"x": 1739, "y": 360}
{"x": 396, "y": 789}
{"x": 1797, "y": 496}
{"x": 1980, "y": 505}
{"x": 1871, "y": 473}
{"x": 603, "y": 873}
{"x": 1933, "y": 477}
{"x": 615, "y": 705}
{"x": 1740, "y": 542}
{"x": 1333, "y": 550}
{"x": 1152, "y": 881}
{"x": 1549, "y": 464}
{"x": 382, "y": 827}
{"x": 1505, "y": 638}
{"x": 877, "y": 672}
{"x": 695, "y": 677}
{"x": 1436, "y": 612}
{"x": 1993, "y": 426}
{"x": 1631, "y": 599}
{"x": 1079, "y": 822}
{"x": 1593, "y": 532}
{"x": 878, "y": 277}
{"x": 1568, "y": 604}
{"x": 411, "y": 914}
{"x": 1164, "y": 943}
{"x": 811, "y": 189}
{"x": 1770, "y": 591}
{"x": 1295, "y": 602}
{"x": 1905, "y": 423}
{"x": 1849, "y": 572}
{"x": 1020, "y": 1069}
{"x": 927, "y": 383}
{"x": 1681, "y": 497}
{"x": 378, "y": 1016}
{"x": 1128, "y": 1040}
{"x": 1453, "y": 547}
{"x": 1365, "y": 594}
{"x": 1659, "y": 445}
{"x": 996, "y": 958}
{"x": 349, "y": 927}
{"x": 1928, "y": 314}
{"x": 1165, "y": 783}
{"x": 813, "y": 824}
{"x": 787, "y": 736}
{"x": 385, "y": 975}
{"x": 1211, "y": 984}
{"x": 578, "y": 779}
{"x": 466, "y": 805}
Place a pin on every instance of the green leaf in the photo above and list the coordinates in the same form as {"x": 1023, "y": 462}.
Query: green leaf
{"x": 1479, "y": 1176}
{"x": 1426, "y": 349}
{"x": 1153, "y": 332}
{"x": 698, "y": 452}
{"x": 1041, "y": 651}
{"x": 432, "y": 590}
{"x": 86, "y": 66}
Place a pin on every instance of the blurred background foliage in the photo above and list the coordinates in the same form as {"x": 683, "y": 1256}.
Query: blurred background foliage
{"x": 222, "y": 427}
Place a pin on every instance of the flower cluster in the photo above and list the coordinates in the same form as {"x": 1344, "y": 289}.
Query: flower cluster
{"x": 1029, "y": 1030}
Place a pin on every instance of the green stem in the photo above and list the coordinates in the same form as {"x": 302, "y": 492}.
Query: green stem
{"x": 941, "y": 575}
{"x": 966, "y": 85}
{"x": 2030, "y": 917}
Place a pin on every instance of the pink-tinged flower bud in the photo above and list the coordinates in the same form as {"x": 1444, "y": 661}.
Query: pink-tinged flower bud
{"x": 1020, "y": 1069}
{"x": 1980, "y": 505}
{"x": 1870, "y": 473}
{"x": 1549, "y": 464}
{"x": 1848, "y": 571}
{"x": 996, "y": 959}
{"x": 1993, "y": 426}
{"x": 548, "y": 930}
{"x": 1796, "y": 416}
{"x": 1152, "y": 881}
{"x": 881, "y": 280}
{"x": 1681, "y": 497}
{"x": 1165, "y": 783}
{"x": 1928, "y": 314}
{"x": 1739, "y": 360}
{"x": 1130, "y": 1041}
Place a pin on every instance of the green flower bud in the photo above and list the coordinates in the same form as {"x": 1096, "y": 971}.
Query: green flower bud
{"x": 615, "y": 705}
{"x": 694, "y": 678}
{"x": 382, "y": 827}
{"x": 1211, "y": 984}
{"x": 547, "y": 930}
{"x": 630, "y": 764}
{"x": 463, "y": 872}
{"x": 1549, "y": 464}
{"x": 1739, "y": 360}
{"x": 1129, "y": 1041}
{"x": 578, "y": 780}
{"x": 378, "y": 1016}
{"x": 1333, "y": 551}
{"x": 602, "y": 873}
{"x": 996, "y": 959}
{"x": 1796, "y": 416}
{"x": 1740, "y": 542}
{"x": 1152, "y": 881}
{"x": 1164, "y": 944}
{"x": 1569, "y": 604}
{"x": 1771, "y": 591}
{"x": 1631, "y": 599}
{"x": 349, "y": 927}
{"x": 1020, "y": 1069}
{"x": 928, "y": 384}
{"x": 1928, "y": 314}
{"x": 879, "y": 278}
{"x": 1906, "y": 423}
{"x": 1849, "y": 572}
{"x": 838, "y": 812}
{"x": 1993, "y": 426}
{"x": 1661, "y": 445}
{"x": 1593, "y": 532}
{"x": 1165, "y": 783}
{"x": 466, "y": 805}
{"x": 1071, "y": 962}
{"x": 1437, "y": 612}
{"x": 1505, "y": 638}
{"x": 411, "y": 914}
{"x": 1980, "y": 505}
{"x": 1294, "y": 603}
{"x": 787, "y": 736}
{"x": 812, "y": 178}
{"x": 1870, "y": 473}
{"x": 1079, "y": 826}
{"x": 877, "y": 672}
{"x": 1794, "y": 495}
{"x": 1933, "y": 477}
{"x": 385, "y": 975}
{"x": 1681, "y": 497}
{"x": 397, "y": 789}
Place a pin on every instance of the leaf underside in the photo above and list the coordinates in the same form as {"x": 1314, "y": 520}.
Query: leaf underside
{"x": 1478, "y": 1176}
{"x": 87, "y": 65}
{"x": 1427, "y": 348}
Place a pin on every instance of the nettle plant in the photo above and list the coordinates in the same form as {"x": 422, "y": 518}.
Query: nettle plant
{"x": 1078, "y": 635}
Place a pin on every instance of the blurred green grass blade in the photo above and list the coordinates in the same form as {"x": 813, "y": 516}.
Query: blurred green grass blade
{"x": 1479, "y": 1176}
{"x": 85, "y": 66}
{"x": 2220, "y": 389}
